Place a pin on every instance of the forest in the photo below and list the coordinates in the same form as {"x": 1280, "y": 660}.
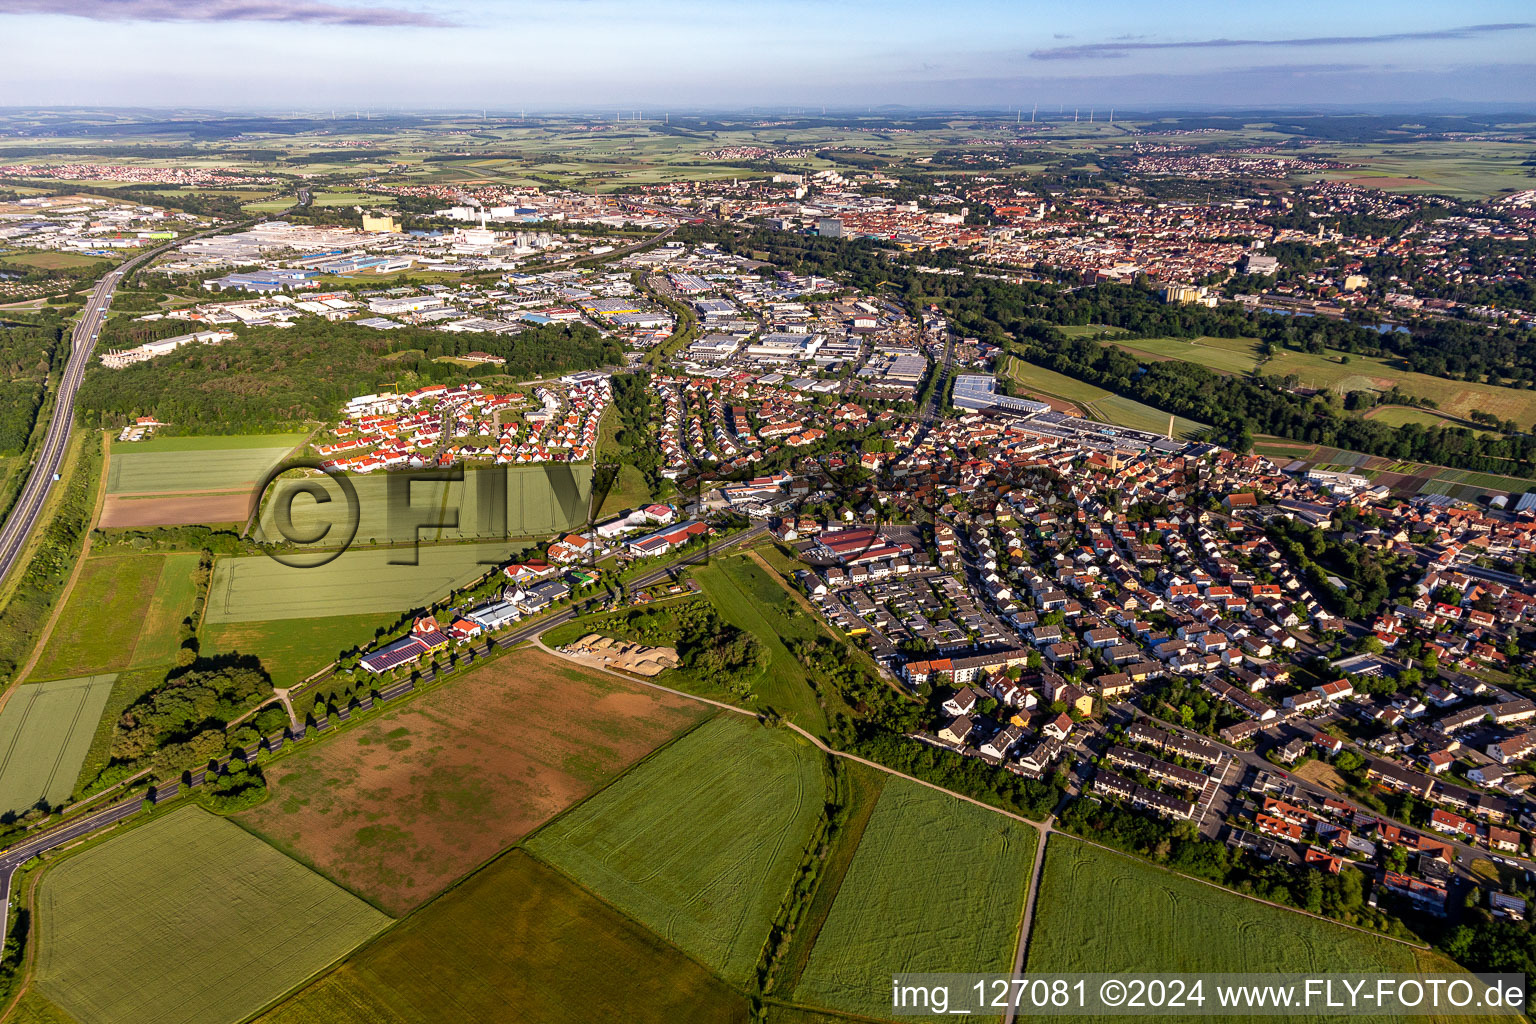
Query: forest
{"x": 271, "y": 378}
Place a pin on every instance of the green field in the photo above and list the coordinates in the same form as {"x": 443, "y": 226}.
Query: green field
{"x": 125, "y": 611}
{"x": 1224, "y": 355}
{"x": 748, "y": 599}
{"x": 202, "y": 921}
{"x": 516, "y": 935}
{"x": 175, "y": 467}
{"x": 937, "y": 884}
{"x": 1096, "y": 403}
{"x": 208, "y": 443}
{"x": 1166, "y": 922}
{"x": 255, "y": 588}
{"x": 524, "y": 501}
{"x": 45, "y": 732}
{"x": 699, "y": 843}
{"x": 53, "y": 260}
{"x": 629, "y": 491}
{"x": 294, "y": 649}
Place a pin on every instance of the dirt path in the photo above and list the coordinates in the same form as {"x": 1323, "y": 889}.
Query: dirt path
{"x": 1031, "y": 897}
{"x": 74, "y": 574}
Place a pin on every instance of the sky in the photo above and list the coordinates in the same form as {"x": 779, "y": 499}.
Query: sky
{"x": 562, "y": 55}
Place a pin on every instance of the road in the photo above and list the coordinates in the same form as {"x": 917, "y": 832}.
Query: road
{"x": 14, "y": 857}
{"x": 34, "y": 495}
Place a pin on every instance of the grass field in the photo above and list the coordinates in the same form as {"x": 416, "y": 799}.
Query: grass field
{"x": 125, "y": 611}
{"x": 255, "y": 588}
{"x": 33, "y": 1008}
{"x": 748, "y": 599}
{"x": 291, "y": 650}
{"x": 183, "y": 466}
{"x": 207, "y": 924}
{"x": 398, "y": 807}
{"x": 517, "y": 934}
{"x": 1103, "y": 911}
{"x": 45, "y": 732}
{"x": 628, "y": 491}
{"x": 52, "y": 260}
{"x": 1095, "y": 402}
{"x": 1224, "y": 355}
{"x": 208, "y": 443}
{"x": 1170, "y": 923}
{"x": 937, "y": 884}
{"x": 129, "y": 686}
{"x": 700, "y": 842}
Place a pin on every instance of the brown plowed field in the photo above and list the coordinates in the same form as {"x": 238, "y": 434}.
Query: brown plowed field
{"x": 403, "y": 804}
{"x": 176, "y": 509}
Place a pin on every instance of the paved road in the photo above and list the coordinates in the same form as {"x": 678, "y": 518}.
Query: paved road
{"x": 29, "y": 506}
{"x": 15, "y": 856}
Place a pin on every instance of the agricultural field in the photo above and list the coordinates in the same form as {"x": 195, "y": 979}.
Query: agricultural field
{"x": 45, "y": 732}
{"x": 399, "y": 806}
{"x": 516, "y": 934}
{"x": 1166, "y": 922}
{"x": 292, "y": 650}
{"x": 1096, "y": 403}
{"x": 180, "y": 465}
{"x": 923, "y": 856}
{"x": 255, "y": 588}
{"x": 124, "y": 611}
{"x": 700, "y": 842}
{"x": 1402, "y": 415}
{"x": 207, "y": 924}
{"x": 137, "y": 510}
{"x": 1103, "y": 911}
{"x": 540, "y": 500}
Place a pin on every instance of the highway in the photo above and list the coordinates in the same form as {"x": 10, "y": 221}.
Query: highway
{"x": 34, "y": 495}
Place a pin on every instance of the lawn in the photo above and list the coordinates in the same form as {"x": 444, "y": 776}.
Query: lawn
{"x": 398, "y": 807}
{"x": 700, "y": 842}
{"x": 291, "y": 650}
{"x": 516, "y": 934}
{"x": 255, "y": 588}
{"x": 45, "y": 732}
{"x": 137, "y": 470}
{"x": 749, "y": 599}
{"x": 206, "y": 923}
{"x": 125, "y": 611}
{"x": 937, "y": 885}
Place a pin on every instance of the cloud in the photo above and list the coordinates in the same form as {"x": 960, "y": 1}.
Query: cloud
{"x": 1123, "y": 47}
{"x": 225, "y": 10}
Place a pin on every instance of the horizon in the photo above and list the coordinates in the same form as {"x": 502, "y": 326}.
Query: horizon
{"x": 435, "y": 54}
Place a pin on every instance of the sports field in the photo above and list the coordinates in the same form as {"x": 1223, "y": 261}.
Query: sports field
{"x": 203, "y": 923}
{"x": 291, "y": 650}
{"x": 181, "y": 464}
{"x": 937, "y": 884}
{"x": 517, "y": 934}
{"x": 255, "y": 588}
{"x": 124, "y": 611}
{"x": 403, "y": 804}
{"x": 45, "y": 731}
{"x": 700, "y": 842}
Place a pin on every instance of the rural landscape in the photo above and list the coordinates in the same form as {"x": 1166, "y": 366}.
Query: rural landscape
{"x": 661, "y": 518}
